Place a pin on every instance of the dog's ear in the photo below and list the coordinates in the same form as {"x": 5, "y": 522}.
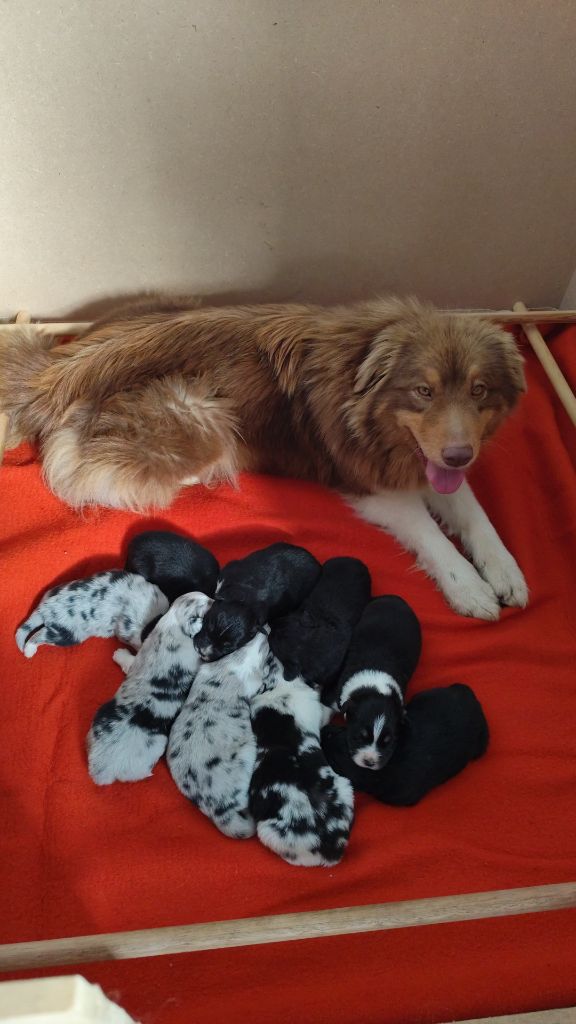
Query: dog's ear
{"x": 348, "y": 706}
{"x": 380, "y": 360}
{"x": 514, "y": 362}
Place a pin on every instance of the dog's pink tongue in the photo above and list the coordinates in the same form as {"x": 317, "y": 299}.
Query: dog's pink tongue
{"x": 445, "y": 481}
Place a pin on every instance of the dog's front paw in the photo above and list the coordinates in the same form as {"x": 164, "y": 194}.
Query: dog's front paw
{"x": 503, "y": 574}
{"x": 469, "y": 594}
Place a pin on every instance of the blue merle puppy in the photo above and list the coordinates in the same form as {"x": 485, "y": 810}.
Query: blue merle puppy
{"x": 303, "y": 809}
{"x": 212, "y": 750}
{"x": 252, "y": 591}
{"x": 129, "y": 733}
{"x": 114, "y": 603}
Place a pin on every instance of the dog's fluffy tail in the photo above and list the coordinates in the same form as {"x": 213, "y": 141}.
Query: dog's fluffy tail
{"x": 136, "y": 448}
{"x": 24, "y": 356}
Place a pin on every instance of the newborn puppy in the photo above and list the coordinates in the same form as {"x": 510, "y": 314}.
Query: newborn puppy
{"x": 303, "y": 810}
{"x": 312, "y": 642}
{"x": 253, "y": 590}
{"x": 129, "y": 733}
{"x": 176, "y": 564}
{"x": 212, "y": 750}
{"x": 115, "y": 603}
{"x": 444, "y": 729}
{"x": 383, "y": 655}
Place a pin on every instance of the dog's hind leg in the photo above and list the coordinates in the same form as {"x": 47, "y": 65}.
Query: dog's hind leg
{"x": 29, "y": 626}
{"x": 463, "y": 515}
{"x": 136, "y": 449}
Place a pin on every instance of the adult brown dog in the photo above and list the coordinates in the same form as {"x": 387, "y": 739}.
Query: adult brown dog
{"x": 388, "y": 402}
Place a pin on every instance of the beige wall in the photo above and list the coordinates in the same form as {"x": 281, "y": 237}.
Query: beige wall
{"x": 318, "y": 149}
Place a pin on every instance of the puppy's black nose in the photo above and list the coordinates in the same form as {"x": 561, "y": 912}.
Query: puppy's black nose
{"x": 457, "y": 455}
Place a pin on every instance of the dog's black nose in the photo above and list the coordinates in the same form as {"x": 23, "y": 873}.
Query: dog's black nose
{"x": 457, "y": 455}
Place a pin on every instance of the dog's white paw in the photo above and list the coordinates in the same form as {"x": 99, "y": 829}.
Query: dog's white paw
{"x": 469, "y": 594}
{"x": 503, "y": 574}
{"x": 123, "y": 658}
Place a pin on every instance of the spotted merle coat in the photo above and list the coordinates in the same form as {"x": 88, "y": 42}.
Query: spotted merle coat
{"x": 129, "y": 733}
{"x": 303, "y": 809}
{"x": 114, "y": 603}
{"x": 212, "y": 750}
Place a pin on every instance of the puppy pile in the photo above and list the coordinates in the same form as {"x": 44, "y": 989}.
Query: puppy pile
{"x": 235, "y": 675}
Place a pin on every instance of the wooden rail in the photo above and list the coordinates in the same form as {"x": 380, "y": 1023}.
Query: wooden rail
{"x": 255, "y": 931}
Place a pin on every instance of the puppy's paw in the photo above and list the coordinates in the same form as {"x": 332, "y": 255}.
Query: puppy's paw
{"x": 503, "y": 574}
{"x": 123, "y": 658}
{"x": 469, "y": 594}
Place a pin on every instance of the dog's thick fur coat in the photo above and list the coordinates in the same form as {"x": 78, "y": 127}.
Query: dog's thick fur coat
{"x": 372, "y": 399}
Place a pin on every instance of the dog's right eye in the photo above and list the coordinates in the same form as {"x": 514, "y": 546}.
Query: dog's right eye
{"x": 423, "y": 391}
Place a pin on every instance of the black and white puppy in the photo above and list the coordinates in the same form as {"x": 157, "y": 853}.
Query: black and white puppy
{"x": 251, "y": 591}
{"x": 312, "y": 641}
{"x": 115, "y": 603}
{"x": 176, "y": 564}
{"x": 303, "y": 809}
{"x": 444, "y": 729}
{"x": 130, "y": 732}
{"x": 212, "y": 750}
{"x": 383, "y": 655}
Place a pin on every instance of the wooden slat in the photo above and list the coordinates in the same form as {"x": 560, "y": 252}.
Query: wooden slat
{"x": 551, "y": 368}
{"x": 501, "y": 316}
{"x": 564, "y": 1015}
{"x": 286, "y": 927}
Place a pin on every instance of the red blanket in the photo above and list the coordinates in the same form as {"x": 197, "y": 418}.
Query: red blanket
{"x": 76, "y": 859}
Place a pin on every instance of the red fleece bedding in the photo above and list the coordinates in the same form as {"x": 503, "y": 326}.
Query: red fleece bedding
{"x": 76, "y": 859}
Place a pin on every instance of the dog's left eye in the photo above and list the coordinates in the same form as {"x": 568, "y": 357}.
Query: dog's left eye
{"x": 423, "y": 391}
{"x": 478, "y": 390}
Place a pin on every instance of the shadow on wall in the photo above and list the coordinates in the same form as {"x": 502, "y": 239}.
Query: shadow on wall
{"x": 291, "y": 283}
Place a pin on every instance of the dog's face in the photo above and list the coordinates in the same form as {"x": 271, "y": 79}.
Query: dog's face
{"x": 372, "y": 725}
{"x": 449, "y": 382}
{"x": 226, "y": 627}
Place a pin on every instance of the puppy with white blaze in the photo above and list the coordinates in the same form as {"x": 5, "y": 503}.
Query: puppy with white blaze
{"x": 383, "y": 656}
{"x": 445, "y": 728}
{"x": 114, "y": 603}
{"x": 212, "y": 750}
{"x": 129, "y": 733}
{"x": 302, "y": 808}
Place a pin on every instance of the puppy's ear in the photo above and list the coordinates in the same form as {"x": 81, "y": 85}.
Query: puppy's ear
{"x": 250, "y": 621}
{"x": 380, "y": 360}
{"x": 348, "y": 707}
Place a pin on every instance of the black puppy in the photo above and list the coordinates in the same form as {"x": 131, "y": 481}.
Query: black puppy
{"x": 250, "y": 592}
{"x": 176, "y": 564}
{"x": 383, "y": 655}
{"x": 444, "y": 729}
{"x": 312, "y": 642}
